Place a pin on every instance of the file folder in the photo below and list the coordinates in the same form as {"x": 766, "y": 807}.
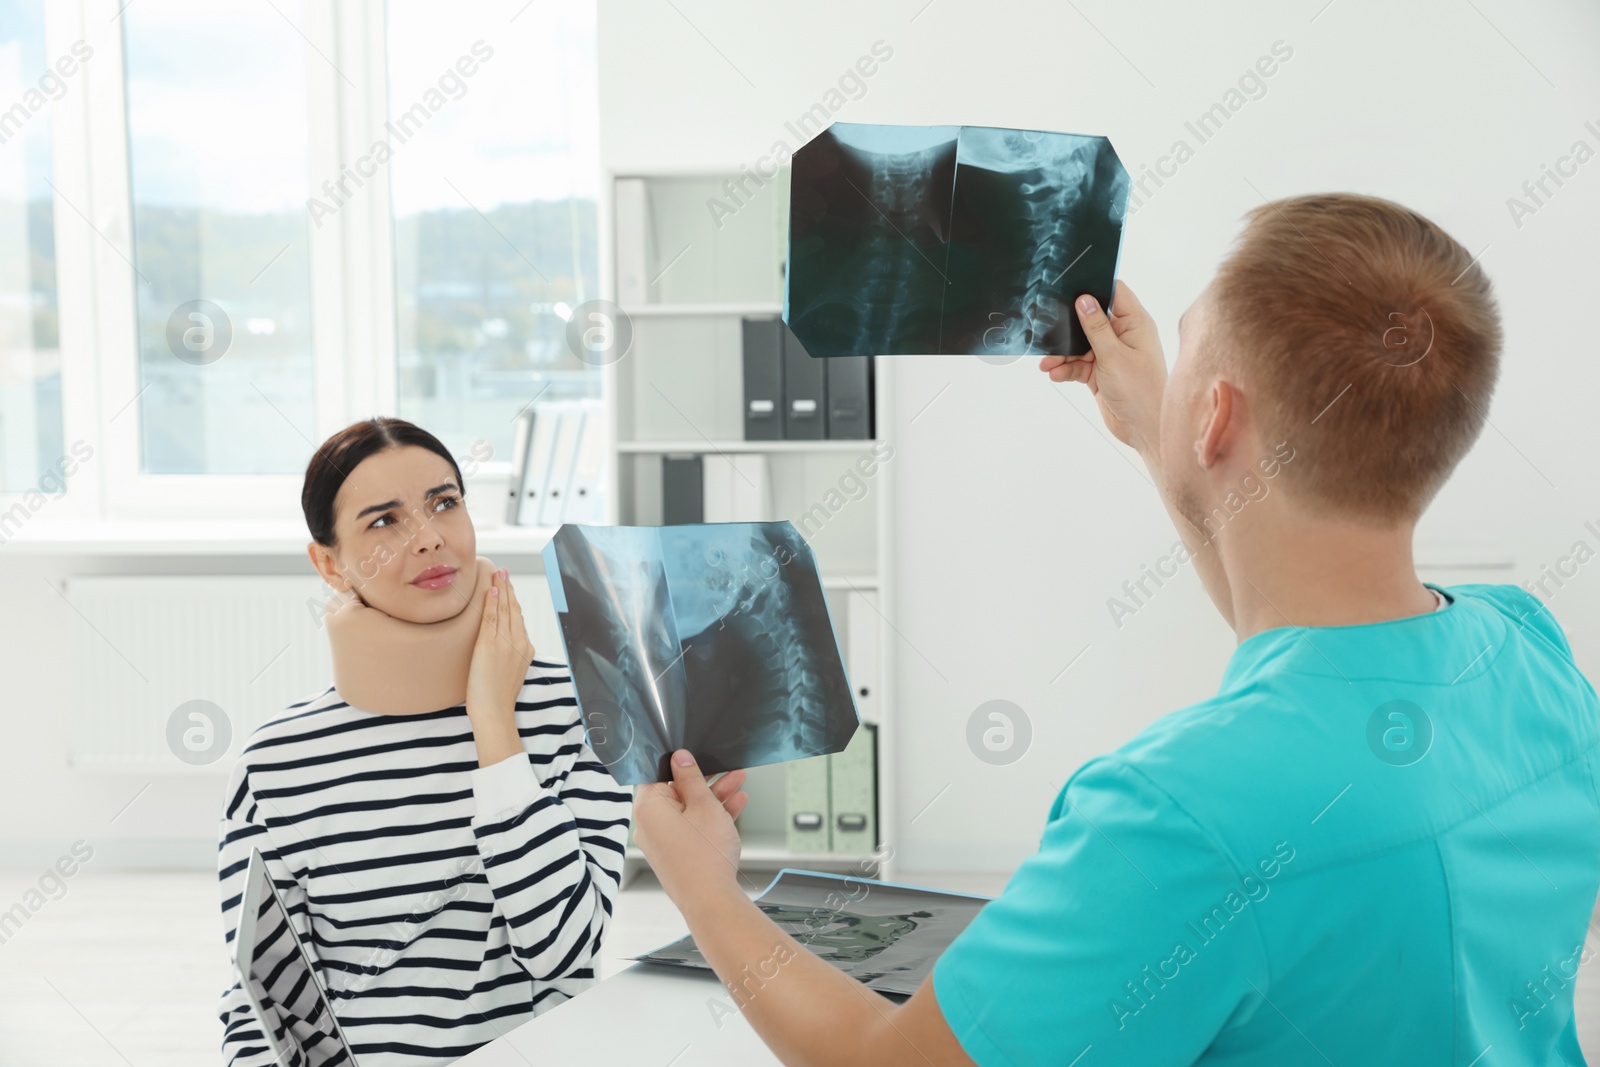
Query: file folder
{"x": 536, "y": 472}
{"x": 633, "y": 249}
{"x": 850, "y": 381}
{"x": 738, "y": 488}
{"x": 807, "y": 814}
{"x": 853, "y": 793}
{"x": 861, "y": 655}
{"x": 763, "y": 379}
{"x": 682, "y": 490}
{"x": 521, "y": 442}
{"x": 805, "y": 384}
{"x": 563, "y": 451}
{"x": 586, "y": 501}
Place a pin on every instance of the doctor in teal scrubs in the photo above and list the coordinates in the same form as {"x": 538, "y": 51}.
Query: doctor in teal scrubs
{"x": 1378, "y": 842}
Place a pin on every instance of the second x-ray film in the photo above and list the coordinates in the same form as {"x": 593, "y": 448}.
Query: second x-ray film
{"x": 713, "y": 637}
{"x": 884, "y": 935}
{"x": 950, "y": 239}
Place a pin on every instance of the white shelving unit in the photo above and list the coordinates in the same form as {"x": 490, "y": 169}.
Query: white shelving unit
{"x": 649, "y": 447}
{"x": 660, "y": 310}
{"x": 679, "y": 389}
{"x": 762, "y": 850}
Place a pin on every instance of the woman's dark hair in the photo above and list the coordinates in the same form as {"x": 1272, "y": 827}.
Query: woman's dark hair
{"x": 344, "y": 451}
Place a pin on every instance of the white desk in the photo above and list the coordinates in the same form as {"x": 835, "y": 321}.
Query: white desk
{"x": 647, "y": 1015}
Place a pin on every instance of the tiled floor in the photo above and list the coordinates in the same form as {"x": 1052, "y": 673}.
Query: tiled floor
{"x": 124, "y": 970}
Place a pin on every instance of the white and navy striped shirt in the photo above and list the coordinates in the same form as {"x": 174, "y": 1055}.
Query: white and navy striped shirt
{"x": 443, "y": 903}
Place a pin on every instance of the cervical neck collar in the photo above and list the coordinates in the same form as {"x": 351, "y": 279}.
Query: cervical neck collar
{"x": 393, "y": 667}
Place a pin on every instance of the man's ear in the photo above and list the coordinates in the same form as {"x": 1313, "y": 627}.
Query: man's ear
{"x": 1219, "y": 429}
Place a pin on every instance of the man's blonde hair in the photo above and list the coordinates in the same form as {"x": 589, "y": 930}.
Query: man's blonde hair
{"x": 1367, "y": 338}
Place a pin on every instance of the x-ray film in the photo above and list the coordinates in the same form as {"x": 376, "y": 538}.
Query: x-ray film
{"x": 884, "y": 935}
{"x": 950, "y": 239}
{"x": 713, "y": 637}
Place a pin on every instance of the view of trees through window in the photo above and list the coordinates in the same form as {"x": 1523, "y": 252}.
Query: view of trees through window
{"x": 30, "y": 348}
{"x": 494, "y": 200}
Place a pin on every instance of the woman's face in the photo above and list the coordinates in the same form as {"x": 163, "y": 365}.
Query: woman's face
{"x": 404, "y": 541}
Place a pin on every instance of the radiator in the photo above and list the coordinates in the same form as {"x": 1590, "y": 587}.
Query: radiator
{"x": 145, "y": 647}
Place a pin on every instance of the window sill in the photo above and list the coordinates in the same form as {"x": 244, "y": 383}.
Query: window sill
{"x": 217, "y": 538}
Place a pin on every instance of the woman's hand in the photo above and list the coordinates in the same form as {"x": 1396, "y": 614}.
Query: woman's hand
{"x": 499, "y": 668}
{"x": 685, "y": 829}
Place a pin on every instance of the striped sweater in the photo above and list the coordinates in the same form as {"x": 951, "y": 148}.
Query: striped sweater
{"x": 443, "y": 903}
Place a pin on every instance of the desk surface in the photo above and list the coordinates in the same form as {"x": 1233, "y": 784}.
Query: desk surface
{"x": 647, "y": 1015}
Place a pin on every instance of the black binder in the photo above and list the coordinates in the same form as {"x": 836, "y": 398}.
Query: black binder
{"x": 763, "y": 379}
{"x": 805, "y": 387}
{"x": 850, "y": 382}
{"x": 682, "y": 490}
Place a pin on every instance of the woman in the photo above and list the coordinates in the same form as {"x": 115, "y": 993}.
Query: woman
{"x": 447, "y": 844}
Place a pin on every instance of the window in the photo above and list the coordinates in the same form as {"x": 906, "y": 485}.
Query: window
{"x": 277, "y": 219}
{"x": 30, "y": 353}
{"x": 219, "y": 176}
{"x": 493, "y": 116}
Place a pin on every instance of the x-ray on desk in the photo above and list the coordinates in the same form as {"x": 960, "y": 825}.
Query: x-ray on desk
{"x": 647, "y": 1015}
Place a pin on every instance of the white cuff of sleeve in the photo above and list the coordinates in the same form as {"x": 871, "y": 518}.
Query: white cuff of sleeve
{"x": 511, "y": 783}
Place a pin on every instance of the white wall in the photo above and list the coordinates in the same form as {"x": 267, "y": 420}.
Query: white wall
{"x": 1018, "y": 516}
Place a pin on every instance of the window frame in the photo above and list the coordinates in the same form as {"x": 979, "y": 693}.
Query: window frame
{"x": 353, "y": 274}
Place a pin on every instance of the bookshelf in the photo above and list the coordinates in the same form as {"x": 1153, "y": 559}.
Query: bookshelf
{"x": 666, "y": 310}
{"x": 740, "y": 446}
{"x": 685, "y": 280}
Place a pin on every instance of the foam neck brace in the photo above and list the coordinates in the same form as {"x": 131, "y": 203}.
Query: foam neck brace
{"x": 393, "y": 667}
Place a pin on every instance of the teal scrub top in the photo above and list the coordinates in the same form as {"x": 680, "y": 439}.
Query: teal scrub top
{"x": 1377, "y": 844}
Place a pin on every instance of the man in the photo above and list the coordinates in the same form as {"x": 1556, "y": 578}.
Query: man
{"x": 1379, "y": 842}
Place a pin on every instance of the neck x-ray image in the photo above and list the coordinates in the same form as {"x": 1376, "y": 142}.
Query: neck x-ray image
{"x": 950, "y": 239}
{"x": 713, "y": 637}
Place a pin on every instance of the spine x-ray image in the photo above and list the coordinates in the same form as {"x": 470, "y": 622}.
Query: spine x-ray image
{"x": 713, "y": 637}
{"x": 884, "y": 935}
{"x": 950, "y": 239}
